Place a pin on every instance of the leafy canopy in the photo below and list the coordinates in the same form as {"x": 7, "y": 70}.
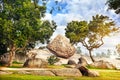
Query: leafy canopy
{"x": 114, "y": 4}
{"x": 91, "y": 33}
{"x": 20, "y": 23}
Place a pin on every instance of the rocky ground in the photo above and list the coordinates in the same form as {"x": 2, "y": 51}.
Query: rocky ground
{"x": 44, "y": 54}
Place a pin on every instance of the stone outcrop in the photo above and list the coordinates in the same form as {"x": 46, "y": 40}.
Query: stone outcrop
{"x": 71, "y": 62}
{"x": 86, "y": 72}
{"x": 37, "y": 72}
{"x": 5, "y": 72}
{"x": 39, "y": 53}
{"x": 93, "y": 73}
{"x": 35, "y": 63}
{"x": 67, "y": 72}
{"x": 102, "y": 64}
{"x": 82, "y": 61}
{"x": 61, "y": 47}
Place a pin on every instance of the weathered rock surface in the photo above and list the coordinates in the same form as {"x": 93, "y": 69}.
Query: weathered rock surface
{"x": 82, "y": 61}
{"x": 61, "y": 47}
{"x": 39, "y": 53}
{"x": 5, "y": 72}
{"x": 35, "y": 63}
{"x": 93, "y": 73}
{"x": 37, "y": 72}
{"x": 71, "y": 62}
{"x": 86, "y": 72}
{"x": 67, "y": 72}
{"x": 103, "y": 64}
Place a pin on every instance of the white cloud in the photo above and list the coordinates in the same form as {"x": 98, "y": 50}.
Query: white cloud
{"x": 59, "y": 30}
{"x": 63, "y": 19}
{"x": 84, "y": 10}
{"x": 48, "y": 16}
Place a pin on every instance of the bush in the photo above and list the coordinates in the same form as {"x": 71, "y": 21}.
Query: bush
{"x": 53, "y": 59}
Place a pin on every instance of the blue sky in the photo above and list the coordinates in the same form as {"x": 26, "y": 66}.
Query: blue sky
{"x": 81, "y": 10}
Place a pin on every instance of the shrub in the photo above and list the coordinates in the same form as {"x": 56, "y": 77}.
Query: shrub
{"x": 53, "y": 59}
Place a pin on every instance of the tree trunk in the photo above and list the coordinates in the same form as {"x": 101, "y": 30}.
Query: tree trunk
{"x": 91, "y": 56}
{"x": 11, "y": 56}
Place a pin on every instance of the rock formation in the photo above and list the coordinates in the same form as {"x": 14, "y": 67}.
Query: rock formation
{"x": 35, "y": 63}
{"x": 103, "y": 64}
{"x": 61, "y": 47}
{"x": 82, "y": 61}
{"x": 71, "y": 62}
{"x": 86, "y": 72}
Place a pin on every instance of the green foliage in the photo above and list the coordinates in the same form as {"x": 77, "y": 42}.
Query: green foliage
{"x": 76, "y": 31}
{"x": 21, "y": 25}
{"x": 91, "y": 33}
{"x": 114, "y": 4}
{"x": 3, "y": 48}
{"x": 53, "y": 59}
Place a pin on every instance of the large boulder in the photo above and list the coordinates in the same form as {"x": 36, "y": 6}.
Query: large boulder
{"x": 35, "y": 63}
{"x": 39, "y": 53}
{"x": 103, "y": 64}
{"x": 61, "y": 47}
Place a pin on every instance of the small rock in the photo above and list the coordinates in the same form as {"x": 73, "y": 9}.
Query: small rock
{"x": 71, "y": 62}
{"x": 103, "y": 64}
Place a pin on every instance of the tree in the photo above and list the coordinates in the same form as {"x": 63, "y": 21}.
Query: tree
{"x": 114, "y": 4}
{"x": 21, "y": 25}
{"x": 90, "y": 34}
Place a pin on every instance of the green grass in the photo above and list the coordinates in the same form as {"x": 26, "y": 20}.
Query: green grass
{"x": 15, "y": 62}
{"x": 104, "y": 75}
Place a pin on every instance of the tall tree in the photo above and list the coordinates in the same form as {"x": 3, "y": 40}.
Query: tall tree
{"x": 90, "y": 34}
{"x": 114, "y": 4}
{"x": 21, "y": 24}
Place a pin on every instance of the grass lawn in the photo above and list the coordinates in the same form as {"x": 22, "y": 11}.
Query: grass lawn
{"x": 104, "y": 75}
